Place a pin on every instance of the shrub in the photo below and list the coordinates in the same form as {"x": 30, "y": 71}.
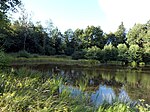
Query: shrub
{"x": 4, "y": 59}
{"x": 35, "y": 55}
{"x": 24, "y": 54}
{"x": 109, "y": 53}
{"x": 141, "y": 64}
{"x": 78, "y": 55}
{"x": 135, "y": 53}
{"x": 133, "y": 64}
{"x": 92, "y": 52}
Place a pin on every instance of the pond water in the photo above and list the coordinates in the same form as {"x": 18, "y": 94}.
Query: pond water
{"x": 103, "y": 83}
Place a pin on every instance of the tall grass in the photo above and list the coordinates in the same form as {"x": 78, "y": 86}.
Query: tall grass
{"x": 25, "y": 90}
{"x": 54, "y": 60}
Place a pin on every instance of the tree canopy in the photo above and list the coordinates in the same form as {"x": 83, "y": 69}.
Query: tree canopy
{"x": 89, "y": 43}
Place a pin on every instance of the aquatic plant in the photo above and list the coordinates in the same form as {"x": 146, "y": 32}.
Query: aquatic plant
{"x": 26, "y": 90}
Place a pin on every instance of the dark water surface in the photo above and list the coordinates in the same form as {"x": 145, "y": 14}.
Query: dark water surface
{"x": 103, "y": 82}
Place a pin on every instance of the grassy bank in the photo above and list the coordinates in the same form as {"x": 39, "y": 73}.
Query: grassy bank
{"x": 26, "y": 90}
{"x": 24, "y": 57}
{"x": 54, "y": 60}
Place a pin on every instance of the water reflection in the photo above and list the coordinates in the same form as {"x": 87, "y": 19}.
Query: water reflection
{"x": 103, "y": 94}
{"x": 104, "y": 83}
{"x": 107, "y": 94}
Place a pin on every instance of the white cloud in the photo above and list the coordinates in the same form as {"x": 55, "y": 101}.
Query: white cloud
{"x": 128, "y": 11}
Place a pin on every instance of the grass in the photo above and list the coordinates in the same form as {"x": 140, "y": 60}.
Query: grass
{"x": 23, "y": 57}
{"x": 26, "y": 90}
{"x": 54, "y": 60}
{"x": 30, "y": 91}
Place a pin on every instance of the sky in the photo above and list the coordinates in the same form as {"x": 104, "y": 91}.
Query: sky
{"x": 75, "y": 14}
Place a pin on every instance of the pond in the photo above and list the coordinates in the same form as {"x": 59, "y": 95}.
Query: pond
{"x": 102, "y": 83}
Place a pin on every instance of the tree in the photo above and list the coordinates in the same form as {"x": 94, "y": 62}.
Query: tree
{"x": 111, "y": 39}
{"x": 109, "y": 53}
{"x": 91, "y": 53}
{"x": 19, "y": 30}
{"x": 146, "y": 45}
{"x": 140, "y": 35}
{"x": 135, "y": 35}
{"x": 93, "y": 36}
{"x": 48, "y": 44}
{"x": 69, "y": 42}
{"x": 57, "y": 41}
{"x": 78, "y": 36}
{"x": 5, "y": 31}
{"x": 135, "y": 53}
{"x": 122, "y": 53}
{"x": 120, "y": 34}
{"x": 6, "y": 5}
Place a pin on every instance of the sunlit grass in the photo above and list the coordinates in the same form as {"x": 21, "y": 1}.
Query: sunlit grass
{"x": 106, "y": 76}
{"x": 120, "y": 77}
{"x": 54, "y": 60}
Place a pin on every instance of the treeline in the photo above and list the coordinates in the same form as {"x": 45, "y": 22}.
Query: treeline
{"x": 89, "y": 43}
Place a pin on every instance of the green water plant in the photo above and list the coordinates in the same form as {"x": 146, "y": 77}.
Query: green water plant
{"x": 27, "y": 90}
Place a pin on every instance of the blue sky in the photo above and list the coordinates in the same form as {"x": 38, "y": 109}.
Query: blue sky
{"x": 74, "y": 14}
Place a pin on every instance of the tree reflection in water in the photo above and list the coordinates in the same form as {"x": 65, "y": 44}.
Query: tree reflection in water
{"x": 105, "y": 83}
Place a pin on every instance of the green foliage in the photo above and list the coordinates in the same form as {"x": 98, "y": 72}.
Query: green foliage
{"x": 93, "y": 36}
{"x": 91, "y": 53}
{"x": 146, "y": 51}
{"x": 58, "y": 59}
{"x": 141, "y": 64}
{"x": 50, "y": 51}
{"x": 78, "y": 55}
{"x": 24, "y": 54}
{"x": 70, "y": 42}
{"x": 137, "y": 35}
{"x": 142, "y": 106}
{"x": 88, "y": 43}
{"x": 109, "y": 53}
{"x": 7, "y": 5}
{"x": 122, "y": 52}
{"x": 121, "y": 34}
{"x": 133, "y": 64}
{"x": 4, "y": 59}
{"x": 111, "y": 38}
{"x": 116, "y": 107}
{"x": 135, "y": 53}
{"x": 25, "y": 90}
{"x": 35, "y": 55}
{"x": 140, "y": 35}
{"x": 91, "y": 62}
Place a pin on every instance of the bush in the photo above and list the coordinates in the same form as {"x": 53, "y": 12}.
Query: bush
{"x": 50, "y": 51}
{"x": 78, "y": 55}
{"x": 135, "y": 53}
{"x": 133, "y": 64}
{"x": 92, "y": 52}
{"x": 4, "y": 59}
{"x": 108, "y": 53}
{"x": 24, "y": 54}
{"x": 89, "y": 61}
{"x": 35, "y": 55}
{"x": 141, "y": 64}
